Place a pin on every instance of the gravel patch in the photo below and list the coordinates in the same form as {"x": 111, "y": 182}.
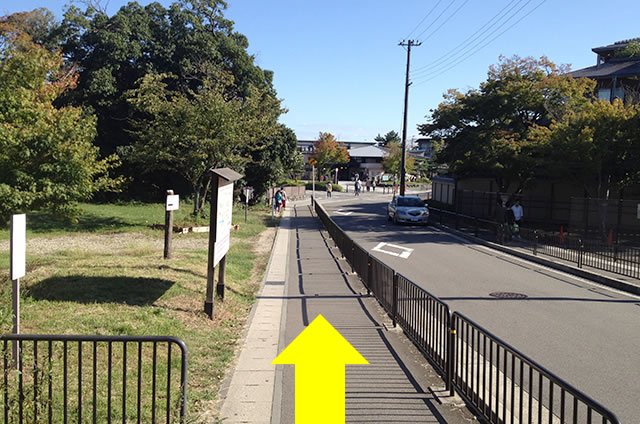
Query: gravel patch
{"x": 106, "y": 243}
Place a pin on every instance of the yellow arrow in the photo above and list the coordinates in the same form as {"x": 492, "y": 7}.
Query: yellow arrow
{"x": 320, "y": 354}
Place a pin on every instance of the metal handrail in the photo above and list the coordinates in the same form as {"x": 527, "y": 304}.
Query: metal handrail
{"x": 38, "y": 381}
{"x": 513, "y": 373}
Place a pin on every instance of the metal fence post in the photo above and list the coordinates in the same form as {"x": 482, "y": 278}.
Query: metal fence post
{"x": 535, "y": 242}
{"x": 369, "y": 274}
{"x": 580, "y": 253}
{"x": 394, "y": 306}
{"x": 450, "y": 356}
{"x": 477, "y": 226}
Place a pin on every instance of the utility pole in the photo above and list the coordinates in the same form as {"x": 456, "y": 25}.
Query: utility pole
{"x": 403, "y": 170}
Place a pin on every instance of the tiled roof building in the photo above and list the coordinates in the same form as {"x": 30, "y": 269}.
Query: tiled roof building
{"x": 616, "y": 76}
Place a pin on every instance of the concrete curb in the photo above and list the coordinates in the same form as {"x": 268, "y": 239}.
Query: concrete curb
{"x": 226, "y": 383}
{"x": 579, "y": 272}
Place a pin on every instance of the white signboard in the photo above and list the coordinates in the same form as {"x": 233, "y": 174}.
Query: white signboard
{"x": 225, "y": 208}
{"x": 221, "y": 249}
{"x": 223, "y": 222}
{"x": 173, "y": 202}
{"x": 18, "y": 245}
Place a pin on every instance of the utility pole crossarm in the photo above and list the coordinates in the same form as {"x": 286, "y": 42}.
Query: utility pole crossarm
{"x": 403, "y": 171}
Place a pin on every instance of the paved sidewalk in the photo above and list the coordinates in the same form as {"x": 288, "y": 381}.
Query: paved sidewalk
{"x": 306, "y": 277}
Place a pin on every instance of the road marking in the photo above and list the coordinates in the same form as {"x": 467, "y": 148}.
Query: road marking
{"x": 340, "y": 211}
{"x": 404, "y": 254}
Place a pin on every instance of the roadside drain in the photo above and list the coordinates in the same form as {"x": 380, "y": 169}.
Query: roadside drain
{"x": 508, "y": 295}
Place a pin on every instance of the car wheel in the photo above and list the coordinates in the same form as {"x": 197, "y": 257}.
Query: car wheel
{"x": 395, "y": 219}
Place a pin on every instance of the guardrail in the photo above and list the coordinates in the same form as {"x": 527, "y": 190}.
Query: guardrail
{"x": 611, "y": 257}
{"x": 499, "y": 383}
{"x": 98, "y": 379}
{"x": 509, "y": 387}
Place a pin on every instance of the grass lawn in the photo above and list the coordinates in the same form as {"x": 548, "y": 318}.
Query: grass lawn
{"x": 105, "y": 274}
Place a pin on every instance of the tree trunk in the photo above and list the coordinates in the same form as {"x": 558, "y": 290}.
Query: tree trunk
{"x": 204, "y": 194}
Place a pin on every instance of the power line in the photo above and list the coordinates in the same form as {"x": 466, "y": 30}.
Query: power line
{"x": 483, "y": 46}
{"x": 486, "y": 34}
{"x": 436, "y": 19}
{"x": 470, "y": 38}
{"x": 445, "y": 21}
{"x": 423, "y": 19}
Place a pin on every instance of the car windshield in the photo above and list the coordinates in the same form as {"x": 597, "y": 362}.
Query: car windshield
{"x": 410, "y": 201}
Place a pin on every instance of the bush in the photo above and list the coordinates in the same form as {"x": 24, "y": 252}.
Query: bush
{"x": 287, "y": 182}
{"x": 322, "y": 186}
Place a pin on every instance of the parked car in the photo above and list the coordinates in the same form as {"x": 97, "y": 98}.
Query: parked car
{"x": 410, "y": 209}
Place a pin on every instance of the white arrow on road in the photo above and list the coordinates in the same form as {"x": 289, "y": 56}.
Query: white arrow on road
{"x": 341, "y": 212}
{"x": 404, "y": 252}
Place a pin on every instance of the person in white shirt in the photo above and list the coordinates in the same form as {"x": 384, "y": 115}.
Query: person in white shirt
{"x": 518, "y": 212}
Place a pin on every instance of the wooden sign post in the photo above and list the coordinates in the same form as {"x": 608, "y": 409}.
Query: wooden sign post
{"x": 173, "y": 203}
{"x": 219, "y": 231}
{"x": 18, "y": 269}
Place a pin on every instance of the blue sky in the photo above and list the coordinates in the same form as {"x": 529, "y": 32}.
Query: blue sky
{"x": 339, "y": 69}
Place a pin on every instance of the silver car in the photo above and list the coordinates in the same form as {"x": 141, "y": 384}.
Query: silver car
{"x": 410, "y": 209}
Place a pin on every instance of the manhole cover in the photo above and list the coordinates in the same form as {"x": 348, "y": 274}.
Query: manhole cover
{"x": 508, "y": 295}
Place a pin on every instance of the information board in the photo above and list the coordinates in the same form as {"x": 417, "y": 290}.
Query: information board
{"x": 173, "y": 202}
{"x": 223, "y": 220}
{"x": 18, "y": 245}
{"x": 225, "y": 209}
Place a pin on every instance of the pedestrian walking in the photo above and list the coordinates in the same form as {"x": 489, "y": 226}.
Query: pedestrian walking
{"x": 518, "y": 214}
{"x": 329, "y": 189}
{"x": 283, "y": 193}
{"x": 278, "y": 200}
{"x": 358, "y": 187}
{"x": 373, "y": 184}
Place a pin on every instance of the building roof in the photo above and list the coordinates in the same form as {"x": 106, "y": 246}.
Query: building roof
{"x": 364, "y": 143}
{"x": 615, "y": 46}
{"x": 614, "y": 68}
{"x": 368, "y": 152}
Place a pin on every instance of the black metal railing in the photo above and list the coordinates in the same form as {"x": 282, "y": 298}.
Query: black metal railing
{"x": 425, "y": 320}
{"x": 505, "y": 386}
{"x": 97, "y": 379}
{"x": 498, "y": 382}
{"x": 606, "y": 256}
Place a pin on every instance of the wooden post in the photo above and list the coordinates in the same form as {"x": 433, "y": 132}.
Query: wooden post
{"x": 168, "y": 229}
{"x": 208, "y": 303}
{"x": 18, "y": 268}
{"x": 15, "y": 292}
{"x": 313, "y": 186}
{"x": 221, "y": 270}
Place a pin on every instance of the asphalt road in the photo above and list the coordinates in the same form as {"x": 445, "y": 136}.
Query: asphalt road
{"x": 583, "y": 332}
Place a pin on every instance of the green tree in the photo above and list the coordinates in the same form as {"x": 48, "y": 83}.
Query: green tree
{"x": 188, "y": 134}
{"x": 40, "y": 24}
{"x": 486, "y": 131}
{"x": 598, "y": 146}
{"x": 47, "y": 159}
{"x": 273, "y": 158}
{"x": 392, "y": 164}
{"x": 327, "y": 152}
{"x": 630, "y": 50}
{"x": 390, "y": 137}
{"x": 190, "y": 40}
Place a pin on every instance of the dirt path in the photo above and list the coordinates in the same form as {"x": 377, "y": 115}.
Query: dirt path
{"x": 106, "y": 242}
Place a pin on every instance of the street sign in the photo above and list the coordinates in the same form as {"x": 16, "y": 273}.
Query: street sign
{"x": 18, "y": 245}
{"x": 173, "y": 202}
